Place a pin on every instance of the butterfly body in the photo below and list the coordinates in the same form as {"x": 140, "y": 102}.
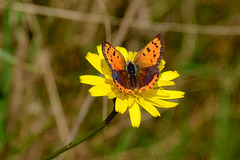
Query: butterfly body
{"x": 132, "y": 70}
{"x": 142, "y": 73}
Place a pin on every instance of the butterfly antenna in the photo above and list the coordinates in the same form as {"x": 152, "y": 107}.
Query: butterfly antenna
{"x": 143, "y": 44}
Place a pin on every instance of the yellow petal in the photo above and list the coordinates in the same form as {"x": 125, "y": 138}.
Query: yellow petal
{"x": 131, "y": 56}
{"x": 131, "y": 101}
{"x": 121, "y": 105}
{"x": 169, "y": 75}
{"x": 161, "y": 83}
{"x": 100, "y": 90}
{"x": 161, "y": 103}
{"x": 95, "y": 61}
{"x": 92, "y": 80}
{"x": 149, "y": 107}
{"x": 109, "y": 77}
{"x": 156, "y": 92}
{"x": 116, "y": 93}
{"x": 173, "y": 94}
{"x": 111, "y": 95}
{"x": 135, "y": 115}
{"x": 123, "y": 51}
{"x": 99, "y": 49}
{"x": 106, "y": 70}
{"x": 161, "y": 65}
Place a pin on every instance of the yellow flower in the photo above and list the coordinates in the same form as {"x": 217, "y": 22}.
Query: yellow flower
{"x": 156, "y": 96}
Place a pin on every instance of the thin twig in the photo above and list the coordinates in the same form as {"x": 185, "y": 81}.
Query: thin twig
{"x": 136, "y": 23}
{"x": 107, "y": 26}
{"x": 16, "y": 62}
{"x": 55, "y": 12}
{"x": 82, "y": 114}
{"x": 107, "y": 23}
{"x": 54, "y": 97}
{"x": 18, "y": 86}
{"x": 126, "y": 22}
{"x": 89, "y": 30}
{"x": 189, "y": 42}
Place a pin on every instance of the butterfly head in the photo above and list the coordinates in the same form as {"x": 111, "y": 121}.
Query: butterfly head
{"x": 131, "y": 68}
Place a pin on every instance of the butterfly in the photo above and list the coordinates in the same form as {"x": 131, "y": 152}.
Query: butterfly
{"x": 142, "y": 73}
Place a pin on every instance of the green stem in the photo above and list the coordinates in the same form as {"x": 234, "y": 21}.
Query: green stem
{"x": 105, "y": 123}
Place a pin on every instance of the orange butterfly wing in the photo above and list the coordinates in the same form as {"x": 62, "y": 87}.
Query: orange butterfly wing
{"x": 116, "y": 63}
{"x": 113, "y": 57}
{"x": 152, "y": 54}
{"x": 147, "y": 60}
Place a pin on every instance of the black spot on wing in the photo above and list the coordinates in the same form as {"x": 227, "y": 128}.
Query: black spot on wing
{"x": 148, "y": 49}
{"x": 105, "y": 51}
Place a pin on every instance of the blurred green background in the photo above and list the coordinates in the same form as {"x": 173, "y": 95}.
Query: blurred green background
{"x": 43, "y": 45}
